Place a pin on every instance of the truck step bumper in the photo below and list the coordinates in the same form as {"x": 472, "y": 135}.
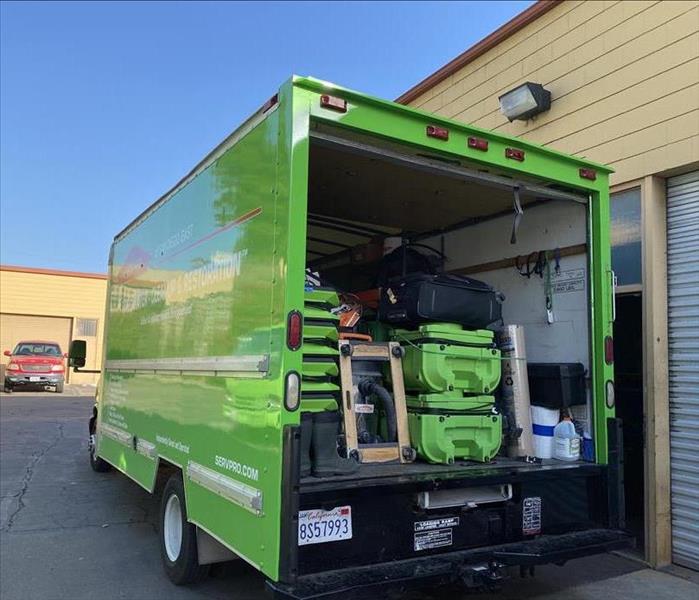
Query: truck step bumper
{"x": 445, "y": 568}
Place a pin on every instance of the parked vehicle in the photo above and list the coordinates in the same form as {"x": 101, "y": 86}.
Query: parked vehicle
{"x": 247, "y": 358}
{"x": 35, "y": 363}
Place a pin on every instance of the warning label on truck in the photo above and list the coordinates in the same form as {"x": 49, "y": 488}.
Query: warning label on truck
{"x": 531, "y": 515}
{"x": 436, "y": 523}
{"x": 434, "y": 538}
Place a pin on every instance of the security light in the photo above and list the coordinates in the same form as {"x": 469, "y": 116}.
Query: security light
{"x": 525, "y": 101}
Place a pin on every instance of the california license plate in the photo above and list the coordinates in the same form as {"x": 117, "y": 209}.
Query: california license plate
{"x": 319, "y": 526}
{"x": 35, "y": 379}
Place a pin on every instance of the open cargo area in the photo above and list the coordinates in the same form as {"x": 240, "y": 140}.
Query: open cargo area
{"x": 380, "y": 214}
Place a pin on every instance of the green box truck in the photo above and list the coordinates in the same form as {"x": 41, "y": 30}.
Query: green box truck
{"x": 210, "y": 377}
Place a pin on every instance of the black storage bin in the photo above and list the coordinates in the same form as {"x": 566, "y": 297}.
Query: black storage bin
{"x": 419, "y": 298}
{"x": 556, "y": 385}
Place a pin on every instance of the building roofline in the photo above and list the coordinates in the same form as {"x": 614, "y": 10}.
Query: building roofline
{"x": 487, "y": 43}
{"x": 37, "y": 271}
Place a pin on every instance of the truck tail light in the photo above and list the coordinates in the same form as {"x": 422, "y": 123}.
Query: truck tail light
{"x": 609, "y": 393}
{"x": 609, "y": 349}
{"x": 437, "y": 132}
{"x": 292, "y": 391}
{"x": 478, "y": 143}
{"x": 333, "y": 103}
{"x": 294, "y": 330}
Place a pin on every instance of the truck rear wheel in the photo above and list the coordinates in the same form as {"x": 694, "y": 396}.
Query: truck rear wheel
{"x": 178, "y": 537}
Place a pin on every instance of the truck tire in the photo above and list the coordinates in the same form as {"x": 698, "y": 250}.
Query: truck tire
{"x": 178, "y": 537}
{"x": 98, "y": 465}
{"x": 7, "y": 388}
{"x": 59, "y": 388}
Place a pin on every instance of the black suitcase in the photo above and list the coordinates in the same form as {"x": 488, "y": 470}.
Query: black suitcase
{"x": 418, "y": 298}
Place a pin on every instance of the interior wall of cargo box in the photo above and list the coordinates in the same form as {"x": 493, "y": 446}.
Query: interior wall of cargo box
{"x": 548, "y": 226}
{"x": 551, "y": 226}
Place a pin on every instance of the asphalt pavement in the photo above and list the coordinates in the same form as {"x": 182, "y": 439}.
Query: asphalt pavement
{"x": 69, "y": 533}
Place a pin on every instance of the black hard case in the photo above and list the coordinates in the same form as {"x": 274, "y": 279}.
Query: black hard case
{"x": 419, "y": 298}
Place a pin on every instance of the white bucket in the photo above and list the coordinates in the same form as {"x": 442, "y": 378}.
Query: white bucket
{"x": 544, "y": 420}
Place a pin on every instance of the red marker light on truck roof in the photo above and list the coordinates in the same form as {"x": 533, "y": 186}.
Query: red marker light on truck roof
{"x": 514, "y": 154}
{"x": 477, "y": 143}
{"x": 590, "y": 174}
{"x": 294, "y": 330}
{"x": 333, "y": 103}
{"x": 437, "y": 132}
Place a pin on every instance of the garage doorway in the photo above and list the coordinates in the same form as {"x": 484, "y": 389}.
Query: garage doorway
{"x": 628, "y": 353}
{"x": 14, "y": 328}
{"x": 628, "y": 380}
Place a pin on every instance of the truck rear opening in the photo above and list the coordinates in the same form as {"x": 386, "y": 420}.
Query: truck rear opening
{"x": 528, "y": 239}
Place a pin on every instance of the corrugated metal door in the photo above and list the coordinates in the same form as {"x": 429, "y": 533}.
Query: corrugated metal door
{"x": 683, "y": 326}
{"x": 14, "y": 328}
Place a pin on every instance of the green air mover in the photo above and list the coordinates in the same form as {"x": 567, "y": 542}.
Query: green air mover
{"x": 443, "y": 438}
{"x": 443, "y": 357}
{"x": 451, "y": 374}
{"x": 320, "y": 377}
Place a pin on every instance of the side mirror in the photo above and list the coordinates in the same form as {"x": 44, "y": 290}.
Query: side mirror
{"x": 7, "y": 353}
{"x": 77, "y": 353}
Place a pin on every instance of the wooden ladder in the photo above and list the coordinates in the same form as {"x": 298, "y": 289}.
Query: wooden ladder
{"x": 383, "y": 351}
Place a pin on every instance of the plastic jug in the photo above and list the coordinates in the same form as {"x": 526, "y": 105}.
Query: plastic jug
{"x": 566, "y": 443}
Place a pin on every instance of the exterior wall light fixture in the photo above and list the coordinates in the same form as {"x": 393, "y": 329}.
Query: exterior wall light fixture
{"x": 525, "y": 101}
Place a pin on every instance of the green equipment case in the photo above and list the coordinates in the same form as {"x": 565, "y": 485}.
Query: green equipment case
{"x": 446, "y": 437}
{"x": 441, "y": 357}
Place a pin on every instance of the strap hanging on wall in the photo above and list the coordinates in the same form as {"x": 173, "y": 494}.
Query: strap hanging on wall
{"x": 518, "y": 215}
{"x": 539, "y": 263}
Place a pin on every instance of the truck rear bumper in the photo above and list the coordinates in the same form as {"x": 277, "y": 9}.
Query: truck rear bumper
{"x": 449, "y": 567}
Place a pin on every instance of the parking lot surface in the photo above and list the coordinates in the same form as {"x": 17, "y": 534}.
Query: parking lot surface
{"x": 67, "y": 532}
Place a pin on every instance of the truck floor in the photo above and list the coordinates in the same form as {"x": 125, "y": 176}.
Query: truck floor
{"x": 395, "y": 473}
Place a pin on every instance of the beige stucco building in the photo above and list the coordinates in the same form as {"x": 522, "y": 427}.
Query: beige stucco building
{"x": 53, "y": 305}
{"x": 624, "y": 83}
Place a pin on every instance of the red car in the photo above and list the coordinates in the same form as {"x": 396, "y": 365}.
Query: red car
{"x": 35, "y": 363}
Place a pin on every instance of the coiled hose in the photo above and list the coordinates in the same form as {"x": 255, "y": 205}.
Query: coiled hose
{"x": 366, "y": 388}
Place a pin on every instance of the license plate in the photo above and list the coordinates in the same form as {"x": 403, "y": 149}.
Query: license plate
{"x": 319, "y": 526}
{"x": 35, "y": 379}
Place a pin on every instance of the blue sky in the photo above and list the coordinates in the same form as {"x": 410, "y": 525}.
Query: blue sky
{"x": 104, "y": 106}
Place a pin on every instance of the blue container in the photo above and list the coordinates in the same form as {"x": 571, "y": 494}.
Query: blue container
{"x": 588, "y": 449}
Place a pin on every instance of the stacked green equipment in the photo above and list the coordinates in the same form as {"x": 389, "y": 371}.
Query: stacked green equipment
{"x": 320, "y": 389}
{"x": 450, "y": 375}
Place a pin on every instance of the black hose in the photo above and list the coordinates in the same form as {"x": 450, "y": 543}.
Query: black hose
{"x": 367, "y": 387}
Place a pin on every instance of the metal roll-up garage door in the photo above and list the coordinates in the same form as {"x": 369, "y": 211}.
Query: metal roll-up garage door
{"x": 14, "y": 328}
{"x": 683, "y": 338}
